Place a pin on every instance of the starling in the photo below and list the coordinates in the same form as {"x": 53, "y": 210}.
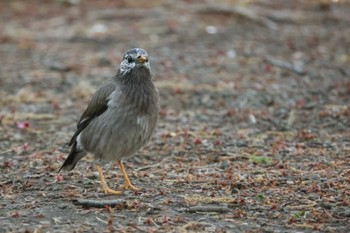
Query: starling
{"x": 120, "y": 118}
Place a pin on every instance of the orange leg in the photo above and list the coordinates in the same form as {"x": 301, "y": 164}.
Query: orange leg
{"x": 127, "y": 184}
{"x": 105, "y": 187}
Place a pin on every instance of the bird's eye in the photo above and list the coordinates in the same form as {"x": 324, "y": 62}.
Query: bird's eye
{"x": 130, "y": 59}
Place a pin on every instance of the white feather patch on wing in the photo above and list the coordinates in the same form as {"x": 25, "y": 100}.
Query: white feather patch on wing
{"x": 143, "y": 122}
{"x": 79, "y": 141}
{"x": 110, "y": 99}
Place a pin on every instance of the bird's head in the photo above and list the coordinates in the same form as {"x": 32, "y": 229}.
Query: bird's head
{"x": 133, "y": 60}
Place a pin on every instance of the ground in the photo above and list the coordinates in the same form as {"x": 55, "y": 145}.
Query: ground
{"x": 254, "y": 128}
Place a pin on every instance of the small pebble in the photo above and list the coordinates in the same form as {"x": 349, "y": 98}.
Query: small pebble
{"x": 63, "y": 206}
{"x": 211, "y": 29}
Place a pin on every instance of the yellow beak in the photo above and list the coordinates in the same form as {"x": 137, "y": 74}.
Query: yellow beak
{"x": 142, "y": 59}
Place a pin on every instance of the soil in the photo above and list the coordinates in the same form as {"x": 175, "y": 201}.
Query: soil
{"x": 253, "y": 134}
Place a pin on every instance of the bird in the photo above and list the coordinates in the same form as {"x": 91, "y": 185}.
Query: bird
{"x": 120, "y": 118}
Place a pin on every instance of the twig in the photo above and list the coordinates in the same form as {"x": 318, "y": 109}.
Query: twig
{"x": 98, "y": 203}
{"x": 246, "y": 12}
{"x": 6, "y": 182}
{"x": 296, "y": 67}
{"x": 270, "y": 17}
{"x": 231, "y": 156}
{"x": 6, "y": 151}
{"x": 301, "y": 16}
{"x": 103, "y": 221}
{"x": 151, "y": 165}
{"x": 206, "y": 209}
{"x": 152, "y": 221}
{"x": 34, "y": 176}
{"x": 111, "y": 14}
{"x": 137, "y": 228}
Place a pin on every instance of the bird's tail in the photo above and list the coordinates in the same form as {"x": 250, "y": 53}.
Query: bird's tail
{"x": 74, "y": 156}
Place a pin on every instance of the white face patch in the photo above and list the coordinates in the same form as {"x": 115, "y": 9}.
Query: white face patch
{"x": 126, "y": 67}
{"x": 130, "y": 61}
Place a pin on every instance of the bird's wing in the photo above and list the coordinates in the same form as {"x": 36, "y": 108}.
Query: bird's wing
{"x": 97, "y": 106}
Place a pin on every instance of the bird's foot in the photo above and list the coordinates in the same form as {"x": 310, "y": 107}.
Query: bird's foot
{"x": 128, "y": 186}
{"x": 105, "y": 187}
{"x": 108, "y": 190}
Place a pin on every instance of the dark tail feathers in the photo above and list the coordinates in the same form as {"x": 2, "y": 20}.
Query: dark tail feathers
{"x": 74, "y": 156}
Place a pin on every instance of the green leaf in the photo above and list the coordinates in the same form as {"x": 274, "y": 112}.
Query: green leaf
{"x": 299, "y": 215}
{"x": 261, "y": 197}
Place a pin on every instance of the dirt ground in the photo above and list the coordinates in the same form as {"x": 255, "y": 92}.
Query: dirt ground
{"x": 254, "y": 129}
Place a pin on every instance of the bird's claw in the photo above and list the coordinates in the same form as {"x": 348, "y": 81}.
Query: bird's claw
{"x": 128, "y": 186}
{"x": 107, "y": 190}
